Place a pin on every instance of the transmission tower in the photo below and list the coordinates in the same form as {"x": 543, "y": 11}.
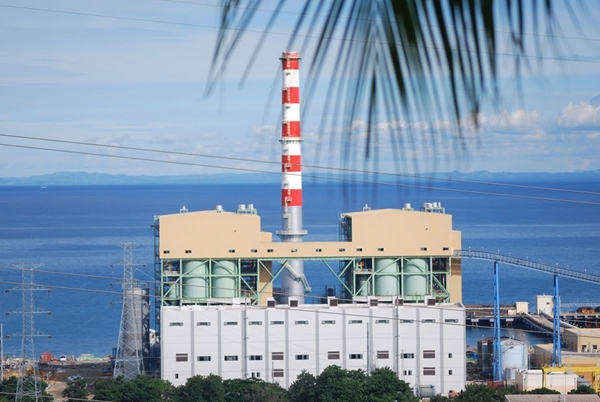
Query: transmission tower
{"x": 129, "y": 360}
{"x": 28, "y": 385}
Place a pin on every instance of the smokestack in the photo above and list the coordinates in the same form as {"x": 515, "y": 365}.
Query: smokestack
{"x": 291, "y": 168}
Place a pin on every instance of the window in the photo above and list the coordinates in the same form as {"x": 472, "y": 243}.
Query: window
{"x": 429, "y": 354}
{"x": 407, "y": 321}
{"x": 277, "y": 356}
{"x": 203, "y": 358}
{"x": 359, "y": 249}
{"x": 181, "y": 357}
{"x": 423, "y": 248}
{"x": 407, "y": 372}
{"x": 383, "y": 354}
{"x": 380, "y": 249}
{"x": 230, "y": 323}
{"x": 342, "y": 250}
{"x": 254, "y": 250}
{"x": 333, "y": 355}
{"x": 231, "y": 358}
{"x": 166, "y": 251}
{"x": 203, "y": 324}
{"x": 382, "y": 321}
{"x": 428, "y": 370}
{"x": 449, "y": 355}
{"x": 255, "y": 357}
{"x": 328, "y": 322}
{"x": 407, "y": 355}
{"x": 277, "y": 372}
{"x": 428, "y": 320}
{"x": 269, "y": 250}
{"x": 318, "y": 250}
{"x": 294, "y": 250}
{"x": 175, "y": 324}
{"x": 255, "y": 323}
{"x": 446, "y": 249}
{"x": 355, "y": 322}
{"x": 232, "y": 251}
{"x": 356, "y": 356}
{"x": 451, "y": 320}
{"x": 301, "y": 357}
{"x": 276, "y": 322}
{"x": 449, "y": 372}
{"x": 188, "y": 251}
{"x": 301, "y": 322}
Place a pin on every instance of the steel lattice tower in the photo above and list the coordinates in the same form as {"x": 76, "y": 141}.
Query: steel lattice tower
{"x": 28, "y": 385}
{"x": 129, "y": 360}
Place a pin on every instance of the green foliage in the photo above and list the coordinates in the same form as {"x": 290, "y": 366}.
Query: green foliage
{"x": 252, "y": 390}
{"x": 480, "y": 393}
{"x": 542, "y": 391}
{"x": 78, "y": 389}
{"x": 8, "y": 388}
{"x": 201, "y": 389}
{"x": 303, "y": 389}
{"x": 439, "y": 398}
{"x": 142, "y": 389}
{"x": 383, "y": 385}
{"x": 582, "y": 389}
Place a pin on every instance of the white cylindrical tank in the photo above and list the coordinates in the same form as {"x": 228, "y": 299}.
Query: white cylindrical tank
{"x": 386, "y": 285}
{"x": 514, "y": 354}
{"x": 195, "y": 280}
{"x": 415, "y": 277}
{"x": 224, "y": 279}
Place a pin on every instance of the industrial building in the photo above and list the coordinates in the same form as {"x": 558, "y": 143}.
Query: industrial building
{"x": 220, "y": 310}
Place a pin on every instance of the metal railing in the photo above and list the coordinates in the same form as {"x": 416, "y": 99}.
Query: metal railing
{"x": 536, "y": 266}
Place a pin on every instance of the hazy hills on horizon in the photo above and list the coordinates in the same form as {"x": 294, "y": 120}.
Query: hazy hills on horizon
{"x": 91, "y": 179}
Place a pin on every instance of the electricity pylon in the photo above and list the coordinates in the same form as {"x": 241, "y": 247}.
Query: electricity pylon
{"x": 28, "y": 385}
{"x": 129, "y": 360}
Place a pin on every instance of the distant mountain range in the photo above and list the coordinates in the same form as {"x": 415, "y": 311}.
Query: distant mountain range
{"x": 96, "y": 179}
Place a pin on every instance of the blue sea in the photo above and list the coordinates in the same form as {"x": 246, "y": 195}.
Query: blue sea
{"x": 73, "y": 235}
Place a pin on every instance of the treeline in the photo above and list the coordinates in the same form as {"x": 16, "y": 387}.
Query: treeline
{"x": 334, "y": 384}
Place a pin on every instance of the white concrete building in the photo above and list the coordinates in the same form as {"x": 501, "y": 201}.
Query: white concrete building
{"x": 423, "y": 344}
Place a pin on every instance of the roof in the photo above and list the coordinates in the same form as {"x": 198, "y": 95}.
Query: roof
{"x": 553, "y": 398}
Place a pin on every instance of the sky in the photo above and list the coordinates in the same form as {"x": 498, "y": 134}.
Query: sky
{"x": 134, "y": 74}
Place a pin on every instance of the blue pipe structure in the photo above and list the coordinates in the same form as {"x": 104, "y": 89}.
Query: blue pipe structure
{"x": 556, "y": 350}
{"x": 497, "y": 365}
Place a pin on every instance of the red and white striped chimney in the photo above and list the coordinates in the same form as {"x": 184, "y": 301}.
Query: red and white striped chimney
{"x": 291, "y": 168}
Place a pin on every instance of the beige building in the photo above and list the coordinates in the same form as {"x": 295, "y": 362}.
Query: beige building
{"x": 209, "y": 256}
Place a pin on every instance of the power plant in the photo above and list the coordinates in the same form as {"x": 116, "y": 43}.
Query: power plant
{"x": 400, "y": 305}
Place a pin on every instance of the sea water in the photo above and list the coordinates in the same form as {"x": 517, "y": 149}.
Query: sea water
{"x": 72, "y": 235}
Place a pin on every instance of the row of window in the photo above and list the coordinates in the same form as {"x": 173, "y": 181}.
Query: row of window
{"x": 334, "y": 355}
{"x": 294, "y": 250}
{"x": 305, "y": 322}
{"x": 426, "y": 371}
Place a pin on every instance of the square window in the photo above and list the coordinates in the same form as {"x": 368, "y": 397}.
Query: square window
{"x": 356, "y": 356}
{"x": 255, "y": 357}
{"x": 277, "y": 372}
{"x": 449, "y": 372}
{"x": 277, "y": 356}
{"x": 429, "y": 354}
{"x": 333, "y": 355}
{"x": 428, "y": 370}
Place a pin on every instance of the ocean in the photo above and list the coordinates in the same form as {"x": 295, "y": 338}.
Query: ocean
{"x": 72, "y": 235}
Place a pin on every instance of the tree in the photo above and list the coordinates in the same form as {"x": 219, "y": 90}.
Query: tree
{"x": 542, "y": 391}
{"x": 478, "y": 393}
{"x": 383, "y": 385}
{"x": 582, "y": 389}
{"x": 303, "y": 389}
{"x": 202, "y": 389}
{"x": 77, "y": 390}
{"x": 336, "y": 384}
{"x": 399, "y": 61}
{"x": 252, "y": 390}
{"x": 141, "y": 389}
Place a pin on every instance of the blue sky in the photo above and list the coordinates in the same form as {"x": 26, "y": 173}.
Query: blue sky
{"x": 127, "y": 82}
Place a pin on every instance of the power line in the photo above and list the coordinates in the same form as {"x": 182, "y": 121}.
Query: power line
{"x": 337, "y": 179}
{"x": 307, "y": 14}
{"x": 154, "y": 21}
{"x": 317, "y": 167}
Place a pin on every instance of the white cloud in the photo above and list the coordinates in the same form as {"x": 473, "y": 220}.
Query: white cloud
{"x": 516, "y": 120}
{"x": 580, "y": 116}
